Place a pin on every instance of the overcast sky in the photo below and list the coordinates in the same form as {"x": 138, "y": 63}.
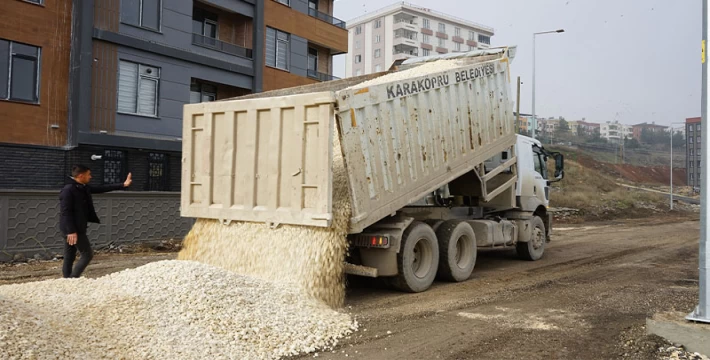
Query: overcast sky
{"x": 628, "y": 60}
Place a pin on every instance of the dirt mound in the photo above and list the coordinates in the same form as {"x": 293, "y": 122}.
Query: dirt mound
{"x": 659, "y": 175}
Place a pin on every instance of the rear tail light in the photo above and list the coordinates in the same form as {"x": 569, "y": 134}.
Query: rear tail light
{"x": 371, "y": 241}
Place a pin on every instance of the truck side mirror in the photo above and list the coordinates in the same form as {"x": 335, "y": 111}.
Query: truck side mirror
{"x": 559, "y": 167}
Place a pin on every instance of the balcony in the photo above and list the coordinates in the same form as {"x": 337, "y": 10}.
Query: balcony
{"x": 405, "y": 38}
{"x": 327, "y": 18}
{"x": 313, "y": 74}
{"x": 218, "y": 45}
{"x": 404, "y": 52}
{"x": 406, "y": 25}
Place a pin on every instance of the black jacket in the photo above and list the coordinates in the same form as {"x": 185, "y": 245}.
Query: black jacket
{"x": 77, "y": 207}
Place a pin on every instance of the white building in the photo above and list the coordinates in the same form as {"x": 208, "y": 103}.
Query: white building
{"x": 402, "y": 30}
{"x": 615, "y": 132}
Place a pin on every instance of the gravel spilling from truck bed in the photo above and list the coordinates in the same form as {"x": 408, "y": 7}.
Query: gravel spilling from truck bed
{"x": 309, "y": 258}
{"x": 164, "y": 310}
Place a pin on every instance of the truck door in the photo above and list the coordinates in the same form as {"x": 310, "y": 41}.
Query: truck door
{"x": 542, "y": 185}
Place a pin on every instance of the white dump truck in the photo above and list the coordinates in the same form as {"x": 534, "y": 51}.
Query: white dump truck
{"x": 435, "y": 168}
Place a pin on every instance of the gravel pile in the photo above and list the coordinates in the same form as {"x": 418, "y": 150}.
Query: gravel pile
{"x": 421, "y": 70}
{"x": 678, "y": 353}
{"x": 164, "y": 310}
{"x": 309, "y": 258}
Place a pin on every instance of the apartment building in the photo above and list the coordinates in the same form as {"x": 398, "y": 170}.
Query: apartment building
{"x": 638, "y": 129}
{"x": 402, "y": 30}
{"x": 583, "y": 128}
{"x": 109, "y": 82}
{"x": 693, "y": 150}
{"x": 615, "y": 132}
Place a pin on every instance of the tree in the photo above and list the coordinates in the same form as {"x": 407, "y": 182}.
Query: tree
{"x": 596, "y": 136}
{"x": 631, "y": 143}
{"x": 678, "y": 139}
{"x": 563, "y": 128}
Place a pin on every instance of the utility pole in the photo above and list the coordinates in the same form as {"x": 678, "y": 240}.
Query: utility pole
{"x": 702, "y": 312}
{"x": 517, "y": 121}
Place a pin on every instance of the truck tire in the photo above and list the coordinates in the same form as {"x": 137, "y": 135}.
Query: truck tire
{"x": 457, "y": 250}
{"x": 434, "y": 223}
{"x": 417, "y": 260}
{"x": 533, "y": 249}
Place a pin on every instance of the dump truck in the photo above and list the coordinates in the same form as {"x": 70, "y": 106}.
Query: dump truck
{"x": 435, "y": 168}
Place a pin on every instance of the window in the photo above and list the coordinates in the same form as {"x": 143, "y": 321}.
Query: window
{"x": 457, "y": 46}
{"x": 691, "y": 164}
{"x": 690, "y": 139}
{"x": 38, "y": 2}
{"x": 204, "y": 23}
{"x": 471, "y": 48}
{"x": 457, "y": 31}
{"x": 285, "y": 2}
{"x": 691, "y": 177}
{"x": 202, "y": 92}
{"x": 378, "y": 53}
{"x": 313, "y": 5}
{"x": 19, "y": 71}
{"x": 313, "y": 59}
{"x": 697, "y": 127}
{"x": 377, "y": 39}
{"x": 426, "y": 24}
{"x": 691, "y": 152}
{"x": 690, "y": 128}
{"x": 358, "y": 30}
{"x": 138, "y": 88}
{"x": 357, "y": 44}
{"x": 358, "y": 59}
{"x": 426, "y": 52}
{"x": 442, "y": 42}
{"x": 698, "y": 164}
{"x": 378, "y": 23}
{"x": 277, "y": 48}
{"x": 426, "y": 38}
{"x": 378, "y": 68}
{"x": 471, "y": 35}
{"x": 143, "y": 13}
{"x": 442, "y": 28}
{"x": 484, "y": 39}
{"x": 158, "y": 179}
{"x": 114, "y": 166}
{"x": 540, "y": 165}
{"x": 358, "y": 72}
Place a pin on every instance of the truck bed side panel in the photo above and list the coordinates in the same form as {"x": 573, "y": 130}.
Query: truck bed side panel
{"x": 403, "y": 139}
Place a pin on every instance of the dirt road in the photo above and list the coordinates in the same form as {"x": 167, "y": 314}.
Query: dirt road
{"x": 588, "y": 298}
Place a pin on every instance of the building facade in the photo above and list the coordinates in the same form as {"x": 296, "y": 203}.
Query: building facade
{"x": 693, "y": 127}
{"x": 103, "y": 83}
{"x": 108, "y": 79}
{"x": 615, "y": 132}
{"x": 400, "y": 31}
{"x": 583, "y": 128}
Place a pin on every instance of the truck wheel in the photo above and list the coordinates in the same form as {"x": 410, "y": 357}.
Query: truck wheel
{"x": 457, "y": 249}
{"x": 533, "y": 249}
{"x": 418, "y": 259}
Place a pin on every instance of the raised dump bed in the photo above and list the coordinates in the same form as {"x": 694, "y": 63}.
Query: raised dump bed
{"x": 268, "y": 157}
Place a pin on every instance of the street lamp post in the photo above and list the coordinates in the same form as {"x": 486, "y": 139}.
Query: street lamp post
{"x": 534, "y": 119}
{"x": 670, "y": 193}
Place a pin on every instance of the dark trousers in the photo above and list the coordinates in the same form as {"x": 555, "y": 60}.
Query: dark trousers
{"x": 84, "y": 247}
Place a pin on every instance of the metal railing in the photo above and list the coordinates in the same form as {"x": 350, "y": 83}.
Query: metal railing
{"x": 219, "y": 45}
{"x": 414, "y": 52}
{"x": 327, "y": 18}
{"x": 313, "y": 74}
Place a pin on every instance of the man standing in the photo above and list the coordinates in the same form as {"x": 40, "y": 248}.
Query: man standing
{"x": 76, "y": 212}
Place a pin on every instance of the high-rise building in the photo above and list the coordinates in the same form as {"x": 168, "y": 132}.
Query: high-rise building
{"x": 692, "y": 148}
{"x": 402, "y": 30}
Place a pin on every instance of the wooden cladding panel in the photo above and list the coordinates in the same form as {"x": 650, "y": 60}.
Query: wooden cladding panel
{"x": 104, "y": 86}
{"x": 279, "y": 16}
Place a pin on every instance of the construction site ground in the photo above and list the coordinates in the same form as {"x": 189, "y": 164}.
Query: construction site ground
{"x": 588, "y": 298}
